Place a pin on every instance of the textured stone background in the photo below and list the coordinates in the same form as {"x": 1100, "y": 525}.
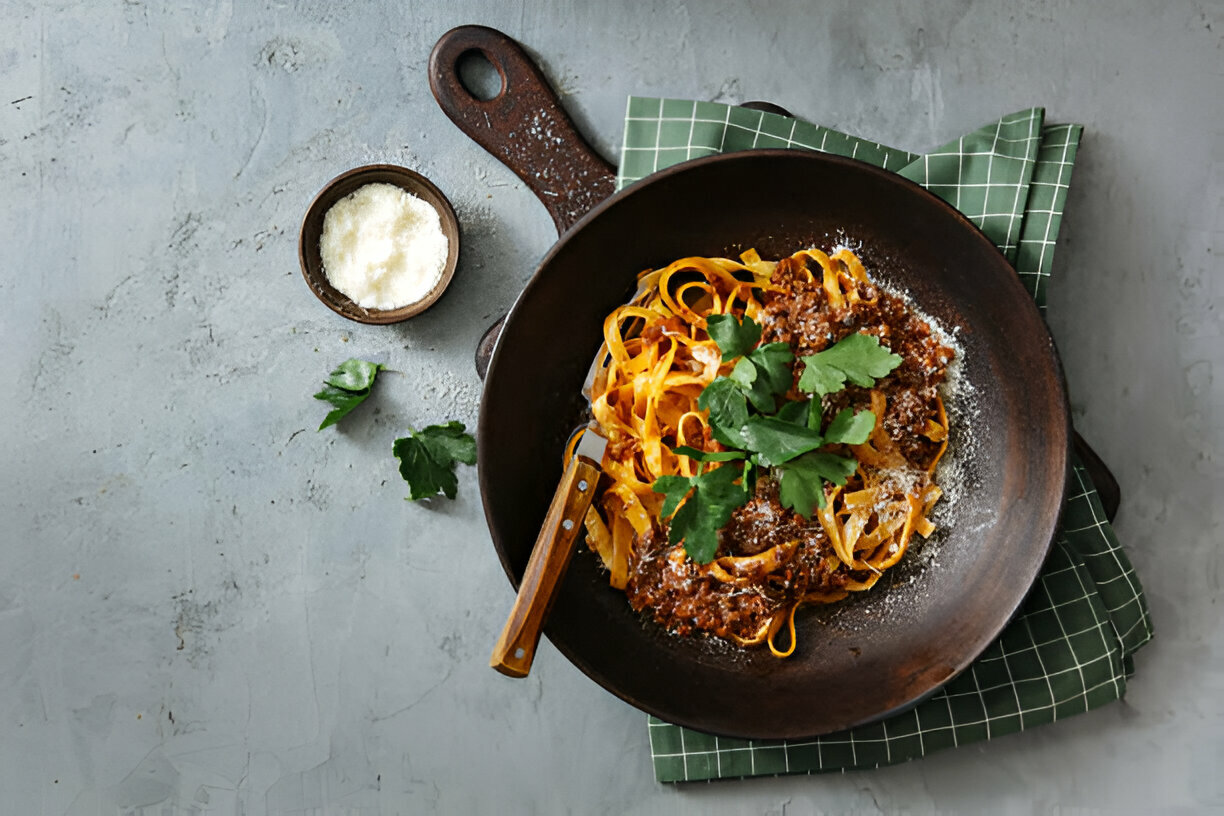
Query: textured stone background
{"x": 208, "y": 608}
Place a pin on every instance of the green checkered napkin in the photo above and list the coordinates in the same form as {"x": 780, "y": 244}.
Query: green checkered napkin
{"x": 1070, "y": 648}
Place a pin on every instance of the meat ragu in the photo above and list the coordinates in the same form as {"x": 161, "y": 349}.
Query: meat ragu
{"x": 678, "y": 594}
{"x": 770, "y": 559}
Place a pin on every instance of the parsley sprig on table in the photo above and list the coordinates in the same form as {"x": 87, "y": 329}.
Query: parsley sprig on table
{"x": 784, "y": 439}
{"x": 427, "y": 457}
{"x": 346, "y": 388}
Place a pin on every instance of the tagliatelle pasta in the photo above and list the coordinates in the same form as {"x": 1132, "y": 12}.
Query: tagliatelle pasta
{"x": 656, "y": 361}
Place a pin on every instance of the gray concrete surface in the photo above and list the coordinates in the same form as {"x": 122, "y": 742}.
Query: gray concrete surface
{"x": 208, "y": 608}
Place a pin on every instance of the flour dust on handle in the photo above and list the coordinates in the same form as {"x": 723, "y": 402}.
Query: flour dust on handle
{"x": 524, "y": 127}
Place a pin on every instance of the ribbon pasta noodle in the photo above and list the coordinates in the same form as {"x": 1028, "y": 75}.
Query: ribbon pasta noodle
{"x": 656, "y": 360}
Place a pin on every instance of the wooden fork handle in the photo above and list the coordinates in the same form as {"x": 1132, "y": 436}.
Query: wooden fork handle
{"x": 515, "y": 649}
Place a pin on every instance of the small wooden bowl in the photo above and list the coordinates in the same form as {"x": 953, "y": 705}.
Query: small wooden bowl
{"x": 312, "y": 230}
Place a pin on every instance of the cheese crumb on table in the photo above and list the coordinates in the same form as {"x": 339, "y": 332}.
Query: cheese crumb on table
{"x": 383, "y": 247}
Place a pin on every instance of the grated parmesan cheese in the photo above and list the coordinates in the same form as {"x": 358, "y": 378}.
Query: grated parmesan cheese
{"x": 383, "y": 247}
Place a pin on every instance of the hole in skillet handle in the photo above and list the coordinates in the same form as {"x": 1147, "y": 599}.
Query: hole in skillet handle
{"x": 479, "y": 75}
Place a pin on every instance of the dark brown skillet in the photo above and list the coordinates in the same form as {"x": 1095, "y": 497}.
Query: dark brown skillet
{"x": 857, "y": 661}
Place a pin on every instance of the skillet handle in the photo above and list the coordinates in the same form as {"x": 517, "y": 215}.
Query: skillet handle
{"x": 515, "y": 649}
{"x": 767, "y": 107}
{"x": 1106, "y": 485}
{"x": 524, "y": 125}
{"x": 484, "y": 348}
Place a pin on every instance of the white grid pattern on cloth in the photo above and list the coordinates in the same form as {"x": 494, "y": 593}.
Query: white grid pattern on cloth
{"x": 659, "y": 136}
{"x": 1130, "y": 599}
{"x": 1081, "y": 692}
{"x": 725, "y": 125}
{"x": 692, "y": 125}
{"x": 1014, "y": 176}
{"x": 1041, "y": 224}
{"x": 1089, "y": 587}
{"x": 1018, "y": 212}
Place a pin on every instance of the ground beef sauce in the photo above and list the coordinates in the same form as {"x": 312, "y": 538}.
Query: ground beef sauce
{"x": 802, "y": 317}
{"x": 669, "y": 587}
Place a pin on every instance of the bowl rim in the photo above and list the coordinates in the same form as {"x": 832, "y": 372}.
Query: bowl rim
{"x": 411, "y": 182}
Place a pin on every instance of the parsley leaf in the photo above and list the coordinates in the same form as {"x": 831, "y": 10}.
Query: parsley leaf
{"x": 734, "y": 338}
{"x": 709, "y": 500}
{"x": 744, "y": 374}
{"x": 674, "y": 489}
{"x": 820, "y": 380}
{"x": 858, "y": 358}
{"x": 773, "y": 362}
{"x": 801, "y": 485}
{"x": 428, "y": 457}
{"x": 728, "y": 409}
{"x": 850, "y": 428}
{"x": 794, "y": 412}
{"x": 785, "y": 439}
{"x": 760, "y": 376}
{"x": 347, "y": 387}
{"x": 776, "y": 441}
{"x": 764, "y": 374}
{"x": 755, "y": 388}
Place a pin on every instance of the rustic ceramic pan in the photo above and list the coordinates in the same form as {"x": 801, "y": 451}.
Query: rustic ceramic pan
{"x": 929, "y": 617}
